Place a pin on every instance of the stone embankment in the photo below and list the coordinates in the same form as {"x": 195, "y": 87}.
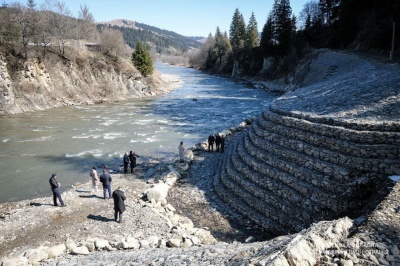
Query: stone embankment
{"x": 317, "y": 153}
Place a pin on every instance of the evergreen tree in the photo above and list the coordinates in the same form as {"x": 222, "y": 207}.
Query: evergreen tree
{"x": 142, "y": 61}
{"x": 283, "y": 28}
{"x": 221, "y": 45}
{"x": 267, "y": 38}
{"x": 237, "y": 32}
{"x": 252, "y": 32}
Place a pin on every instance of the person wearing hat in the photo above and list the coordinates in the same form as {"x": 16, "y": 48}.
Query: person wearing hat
{"x": 56, "y": 193}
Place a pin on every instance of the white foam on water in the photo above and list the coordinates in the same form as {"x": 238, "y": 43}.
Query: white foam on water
{"x": 134, "y": 141}
{"x": 113, "y": 135}
{"x": 163, "y": 121}
{"x": 44, "y": 138}
{"x": 85, "y": 136}
{"x": 151, "y": 139}
{"x": 143, "y": 122}
{"x": 6, "y": 140}
{"x": 95, "y": 153}
{"x": 109, "y": 122}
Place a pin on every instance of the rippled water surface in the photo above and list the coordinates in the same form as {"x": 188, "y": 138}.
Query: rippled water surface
{"x": 70, "y": 141}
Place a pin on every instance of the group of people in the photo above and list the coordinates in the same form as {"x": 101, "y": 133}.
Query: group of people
{"x": 219, "y": 142}
{"x": 130, "y": 159}
{"x": 106, "y": 179}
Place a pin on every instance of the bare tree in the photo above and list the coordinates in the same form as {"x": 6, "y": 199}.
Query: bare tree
{"x": 59, "y": 24}
{"x": 87, "y": 26}
{"x": 26, "y": 22}
{"x": 310, "y": 13}
{"x": 112, "y": 42}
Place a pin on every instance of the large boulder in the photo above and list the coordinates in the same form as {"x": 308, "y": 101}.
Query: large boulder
{"x": 158, "y": 192}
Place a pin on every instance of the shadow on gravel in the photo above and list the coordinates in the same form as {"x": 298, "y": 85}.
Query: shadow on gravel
{"x": 100, "y": 218}
{"x": 38, "y": 204}
{"x": 90, "y": 196}
{"x": 82, "y": 191}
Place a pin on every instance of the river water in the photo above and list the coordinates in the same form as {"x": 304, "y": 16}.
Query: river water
{"x": 70, "y": 141}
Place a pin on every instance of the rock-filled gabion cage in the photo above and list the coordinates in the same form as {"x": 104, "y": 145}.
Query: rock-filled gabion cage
{"x": 286, "y": 172}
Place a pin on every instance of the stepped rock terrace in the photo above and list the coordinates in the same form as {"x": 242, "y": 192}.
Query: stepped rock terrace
{"x": 320, "y": 152}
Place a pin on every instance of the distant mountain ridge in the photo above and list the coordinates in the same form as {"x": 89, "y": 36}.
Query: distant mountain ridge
{"x": 161, "y": 40}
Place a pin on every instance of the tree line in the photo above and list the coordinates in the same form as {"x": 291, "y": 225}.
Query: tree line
{"x": 358, "y": 24}
{"x": 162, "y": 41}
{"x": 31, "y": 31}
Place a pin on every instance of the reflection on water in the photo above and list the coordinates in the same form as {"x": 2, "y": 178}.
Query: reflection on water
{"x": 70, "y": 141}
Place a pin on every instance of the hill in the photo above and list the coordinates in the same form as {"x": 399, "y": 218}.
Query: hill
{"x": 161, "y": 40}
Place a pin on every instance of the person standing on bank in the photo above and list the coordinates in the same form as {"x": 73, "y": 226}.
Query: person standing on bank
{"x": 119, "y": 204}
{"x": 106, "y": 179}
{"x": 211, "y": 140}
{"x": 217, "y": 141}
{"x": 56, "y": 192}
{"x": 222, "y": 143}
{"x": 181, "y": 152}
{"x": 126, "y": 162}
{"x": 95, "y": 179}
{"x": 132, "y": 159}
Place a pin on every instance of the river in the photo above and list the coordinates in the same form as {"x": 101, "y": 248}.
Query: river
{"x": 70, "y": 141}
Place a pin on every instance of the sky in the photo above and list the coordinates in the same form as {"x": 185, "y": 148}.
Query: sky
{"x": 185, "y": 17}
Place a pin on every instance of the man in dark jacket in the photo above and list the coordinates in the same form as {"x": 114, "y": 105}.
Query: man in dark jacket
{"x": 222, "y": 143}
{"x": 218, "y": 141}
{"x": 119, "y": 204}
{"x": 211, "y": 140}
{"x": 106, "y": 179}
{"x": 56, "y": 193}
{"x": 132, "y": 158}
{"x": 126, "y": 163}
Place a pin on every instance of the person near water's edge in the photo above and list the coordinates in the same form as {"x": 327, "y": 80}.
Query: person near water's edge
{"x": 56, "y": 192}
{"x": 218, "y": 141}
{"x": 222, "y": 143}
{"x": 132, "y": 159}
{"x": 119, "y": 204}
{"x": 106, "y": 179}
{"x": 95, "y": 179}
{"x": 181, "y": 152}
{"x": 126, "y": 163}
{"x": 211, "y": 140}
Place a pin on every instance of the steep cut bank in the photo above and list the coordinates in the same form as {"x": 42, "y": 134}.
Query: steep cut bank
{"x": 82, "y": 78}
{"x": 319, "y": 152}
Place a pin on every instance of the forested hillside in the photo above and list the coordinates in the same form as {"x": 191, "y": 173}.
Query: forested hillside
{"x": 362, "y": 25}
{"x": 163, "y": 41}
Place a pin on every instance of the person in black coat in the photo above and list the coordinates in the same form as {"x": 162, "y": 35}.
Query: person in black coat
{"x": 126, "y": 163}
{"x": 106, "y": 179}
{"x": 211, "y": 140}
{"x": 217, "y": 141}
{"x": 119, "y": 204}
{"x": 132, "y": 158}
{"x": 222, "y": 143}
{"x": 56, "y": 193}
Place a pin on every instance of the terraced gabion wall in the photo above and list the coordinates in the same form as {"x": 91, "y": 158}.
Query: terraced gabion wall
{"x": 287, "y": 172}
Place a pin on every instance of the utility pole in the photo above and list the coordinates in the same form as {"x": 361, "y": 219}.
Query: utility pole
{"x": 393, "y": 38}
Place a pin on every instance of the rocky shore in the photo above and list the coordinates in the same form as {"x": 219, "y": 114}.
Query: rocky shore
{"x": 174, "y": 216}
